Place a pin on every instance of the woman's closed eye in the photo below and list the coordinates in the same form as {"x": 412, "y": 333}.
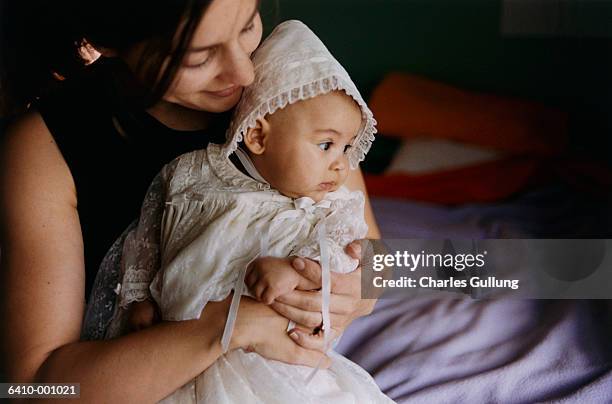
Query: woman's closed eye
{"x": 249, "y": 27}
{"x": 209, "y": 55}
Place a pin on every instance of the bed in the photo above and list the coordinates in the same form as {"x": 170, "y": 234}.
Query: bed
{"x": 435, "y": 349}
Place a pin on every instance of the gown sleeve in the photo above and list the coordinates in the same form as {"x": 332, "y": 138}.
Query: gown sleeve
{"x": 344, "y": 224}
{"x": 141, "y": 251}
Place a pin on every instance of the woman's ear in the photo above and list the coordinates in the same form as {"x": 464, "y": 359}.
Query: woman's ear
{"x": 91, "y": 47}
{"x": 256, "y": 138}
{"x": 108, "y": 52}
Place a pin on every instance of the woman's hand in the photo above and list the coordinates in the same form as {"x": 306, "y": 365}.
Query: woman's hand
{"x": 304, "y": 306}
{"x": 260, "y": 329}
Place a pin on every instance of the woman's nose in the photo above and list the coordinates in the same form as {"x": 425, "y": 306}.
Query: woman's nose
{"x": 238, "y": 68}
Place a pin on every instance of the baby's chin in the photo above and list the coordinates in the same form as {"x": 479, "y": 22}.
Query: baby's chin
{"x": 316, "y": 196}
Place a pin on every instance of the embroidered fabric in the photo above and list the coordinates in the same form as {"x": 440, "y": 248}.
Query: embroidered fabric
{"x": 302, "y": 206}
{"x": 199, "y": 265}
{"x": 199, "y": 206}
{"x": 284, "y": 76}
{"x": 141, "y": 249}
{"x": 101, "y": 306}
{"x": 214, "y": 223}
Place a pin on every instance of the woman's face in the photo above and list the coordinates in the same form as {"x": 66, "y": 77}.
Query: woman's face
{"x": 217, "y": 65}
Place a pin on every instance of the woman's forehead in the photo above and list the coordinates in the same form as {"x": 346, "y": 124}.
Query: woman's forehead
{"x": 222, "y": 21}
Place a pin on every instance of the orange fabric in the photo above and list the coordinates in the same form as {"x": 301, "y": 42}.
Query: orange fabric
{"x": 409, "y": 106}
{"x": 486, "y": 182}
{"x": 494, "y": 181}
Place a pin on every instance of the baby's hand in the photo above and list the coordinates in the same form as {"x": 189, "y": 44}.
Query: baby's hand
{"x": 141, "y": 315}
{"x": 268, "y": 278}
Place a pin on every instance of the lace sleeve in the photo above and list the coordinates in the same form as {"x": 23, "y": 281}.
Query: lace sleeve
{"x": 141, "y": 254}
{"x": 344, "y": 224}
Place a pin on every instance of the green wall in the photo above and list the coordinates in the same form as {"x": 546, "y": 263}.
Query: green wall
{"x": 459, "y": 42}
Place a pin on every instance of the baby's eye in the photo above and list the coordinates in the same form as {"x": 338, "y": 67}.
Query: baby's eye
{"x": 324, "y": 146}
{"x": 347, "y": 148}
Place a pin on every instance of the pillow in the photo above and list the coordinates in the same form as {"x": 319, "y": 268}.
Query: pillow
{"x": 410, "y": 106}
{"x": 485, "y": 182}
{"x": 423, "y": 156}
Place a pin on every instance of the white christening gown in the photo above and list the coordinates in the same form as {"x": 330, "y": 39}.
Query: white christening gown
{"x": 201, "y": 224}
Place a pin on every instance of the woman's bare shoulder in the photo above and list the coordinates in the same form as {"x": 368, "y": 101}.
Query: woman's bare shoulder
{"x": 31, "y": 162}
{"x": 41, "y": 243}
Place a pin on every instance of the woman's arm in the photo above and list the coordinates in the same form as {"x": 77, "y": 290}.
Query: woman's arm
{"x": 355, "y": 182}
{"x": 43, "y": 294}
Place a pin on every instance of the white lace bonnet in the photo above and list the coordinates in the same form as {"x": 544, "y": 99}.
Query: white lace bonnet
{"x": 291, "y": 65}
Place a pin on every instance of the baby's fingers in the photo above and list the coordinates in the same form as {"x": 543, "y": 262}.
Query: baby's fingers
{"x": 270, "y": 294}
{"x": 354, "y": 250}
{"x": 258, "y": 290}
{"x": 251, "y": 279}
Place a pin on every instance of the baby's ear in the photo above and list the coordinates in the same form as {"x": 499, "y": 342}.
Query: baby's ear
{"x": 256, "y": 138}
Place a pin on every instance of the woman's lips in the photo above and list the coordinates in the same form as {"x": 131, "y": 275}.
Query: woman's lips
{"x": 224, "y": 93}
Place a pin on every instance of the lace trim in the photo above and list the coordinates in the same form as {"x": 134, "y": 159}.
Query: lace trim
{"x": 178, "y": 174}
{"x": 141, "y": 252}
{"x": 135, "y": 295}
{"x": 135, "y": 286}
{"x": 363, "y": 141}
{"x": 136, "y": 275}
{"x": 228, "y": 173}
{"x": 102, "y": 302}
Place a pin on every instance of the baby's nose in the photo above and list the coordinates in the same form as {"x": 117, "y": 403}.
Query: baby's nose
{"x": 339, "y": 164}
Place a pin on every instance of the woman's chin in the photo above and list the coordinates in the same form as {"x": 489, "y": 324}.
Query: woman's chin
{"x": 217, "y": 105}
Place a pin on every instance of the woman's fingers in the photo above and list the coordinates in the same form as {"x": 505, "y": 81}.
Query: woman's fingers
{"x": 293, "y": 349}
{"x": 311, "y": 301}
{"x": 311, "y": 270}
{"x": 307, "y": 284}
{"x": 308, "y": 319}
{"x": 347, "y": 284}
{"x": 307, "y": 340}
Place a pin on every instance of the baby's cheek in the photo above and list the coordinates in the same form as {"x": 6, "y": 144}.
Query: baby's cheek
{"x": 309, "y": 179}
{"x": 344, "y": 176}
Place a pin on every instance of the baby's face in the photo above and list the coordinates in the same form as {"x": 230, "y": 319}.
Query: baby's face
{"x": 306, "y": 145}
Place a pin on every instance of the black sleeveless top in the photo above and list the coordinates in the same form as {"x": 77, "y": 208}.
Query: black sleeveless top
{"x": 113, "y": 153}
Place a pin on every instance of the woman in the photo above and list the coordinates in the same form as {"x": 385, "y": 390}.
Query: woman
{"x": 76, "y": 166}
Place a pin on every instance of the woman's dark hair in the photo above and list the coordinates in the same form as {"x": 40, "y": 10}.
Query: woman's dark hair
{"x": 42, "y": 41}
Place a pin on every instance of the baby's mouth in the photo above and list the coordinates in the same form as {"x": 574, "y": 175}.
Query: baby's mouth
{"x": 327, "y": 186}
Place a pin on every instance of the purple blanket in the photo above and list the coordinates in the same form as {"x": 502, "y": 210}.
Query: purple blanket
{"x": 441, "y": 349}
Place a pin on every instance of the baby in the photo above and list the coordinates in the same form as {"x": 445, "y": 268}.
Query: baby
{"x": 275, "y": 188}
